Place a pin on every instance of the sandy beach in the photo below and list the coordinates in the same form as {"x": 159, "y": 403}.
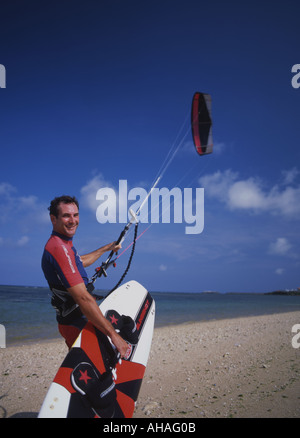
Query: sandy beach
{"x": 243, "y": 367}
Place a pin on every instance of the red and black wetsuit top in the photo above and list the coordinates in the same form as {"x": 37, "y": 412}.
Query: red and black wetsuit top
{"x": 63, "y": 268}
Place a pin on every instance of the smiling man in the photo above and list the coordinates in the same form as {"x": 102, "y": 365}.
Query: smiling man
{"x": 65, "y": 273}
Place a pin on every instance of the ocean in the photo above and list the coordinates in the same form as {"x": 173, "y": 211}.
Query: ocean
{"x": 28, "y": 316}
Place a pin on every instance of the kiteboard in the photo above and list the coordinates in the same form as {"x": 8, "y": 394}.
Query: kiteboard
{"x": 92, "y": 382}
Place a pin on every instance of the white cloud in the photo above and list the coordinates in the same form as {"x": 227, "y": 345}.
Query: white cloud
{"x": 10, "y": 242}
{"x": 24, "y": 210}
{"x": 279, "y": 271}
{"x": 6, "y": 189}
{"x": 23, "y": 241}
{"x": 217, "y": 184}
{"x": 246, "y": 195}
{"x": 290, "y": 175}
{"x": 108, "y": 202}
{"x": 219, "y": 148}
{"x": 89, "y": 191}
{"x": 250, "y": 194}
{"x": 162, "y": 268}
{"x": 280, "y": 247}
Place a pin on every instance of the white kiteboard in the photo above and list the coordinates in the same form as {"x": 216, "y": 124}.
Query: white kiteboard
{"x": 91, "y": 382}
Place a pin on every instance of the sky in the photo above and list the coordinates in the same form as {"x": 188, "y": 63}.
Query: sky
{"x": 99, "y": 92}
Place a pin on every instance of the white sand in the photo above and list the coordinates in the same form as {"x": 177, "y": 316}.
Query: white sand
{"x": 244, "y": 367}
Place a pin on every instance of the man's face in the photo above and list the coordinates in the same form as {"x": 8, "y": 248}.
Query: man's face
{"x": 67, "y": 220}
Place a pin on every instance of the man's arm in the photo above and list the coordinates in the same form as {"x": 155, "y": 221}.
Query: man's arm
{"x": 90, "y": 258}
{"x": 90, "y": 309}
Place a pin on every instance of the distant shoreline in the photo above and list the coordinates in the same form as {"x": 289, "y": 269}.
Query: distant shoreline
{"x": 283, "y": 292}
{"x": 204, "y": 292}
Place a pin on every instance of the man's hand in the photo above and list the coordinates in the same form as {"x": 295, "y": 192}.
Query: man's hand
{"x": 90, "y": 258}
{"x": 114, "y": 247}
{"x": 119, "y": 343}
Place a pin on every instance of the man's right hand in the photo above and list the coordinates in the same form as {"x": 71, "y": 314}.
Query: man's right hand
{"x": 120, "y": 344}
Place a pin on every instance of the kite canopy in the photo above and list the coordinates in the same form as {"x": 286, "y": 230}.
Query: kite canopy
{"x": 201, "y": 123}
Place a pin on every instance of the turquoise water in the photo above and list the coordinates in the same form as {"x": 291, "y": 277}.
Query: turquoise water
{"x": 27, "y": 314}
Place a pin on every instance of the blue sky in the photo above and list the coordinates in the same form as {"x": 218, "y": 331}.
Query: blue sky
{"x": 96, "y": 92}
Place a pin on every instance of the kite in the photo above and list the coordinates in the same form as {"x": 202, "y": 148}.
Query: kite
{"x": 202, "y": 123}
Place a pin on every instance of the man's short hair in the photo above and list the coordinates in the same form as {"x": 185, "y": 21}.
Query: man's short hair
{"x": 53, "y": 209}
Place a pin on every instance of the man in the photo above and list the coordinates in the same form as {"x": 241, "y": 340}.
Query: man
{"x": 67, "y": 278}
